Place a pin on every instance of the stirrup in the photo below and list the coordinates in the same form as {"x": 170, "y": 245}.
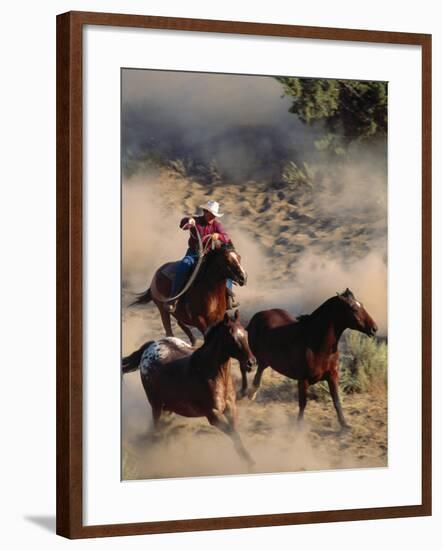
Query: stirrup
{"x": 170, "y": 307}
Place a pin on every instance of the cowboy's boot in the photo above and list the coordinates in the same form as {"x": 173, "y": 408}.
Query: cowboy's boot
{"x": 232, "y": 303}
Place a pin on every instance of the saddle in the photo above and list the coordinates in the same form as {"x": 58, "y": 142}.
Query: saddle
{"x": 169, "y": 270}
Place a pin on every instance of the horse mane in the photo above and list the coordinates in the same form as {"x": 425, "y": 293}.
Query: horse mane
{"x": 313, "y": 322}
{"x": 211, "y": 331}
{"x": 303, "y": 318}
{"x": 208, "y": 259}
{"x": 224, "y": 246}
{"x": 309, "y": 321}
{"x": 209, "y": 336}
{"x": 320, "y": 309}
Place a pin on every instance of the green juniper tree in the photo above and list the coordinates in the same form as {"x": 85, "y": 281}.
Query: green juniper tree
{"x": 351, "y": 110}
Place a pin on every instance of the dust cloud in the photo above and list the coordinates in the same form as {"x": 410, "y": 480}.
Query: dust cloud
{"x": 150, "y": 232}
{"x": 239, "y": 122}
{"x": 316, "y": 280}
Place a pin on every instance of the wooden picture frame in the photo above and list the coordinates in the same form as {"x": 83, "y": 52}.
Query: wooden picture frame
{"x": 70, "y": 272}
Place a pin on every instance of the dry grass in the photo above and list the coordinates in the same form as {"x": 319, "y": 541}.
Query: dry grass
{"x": 363, "y": 366}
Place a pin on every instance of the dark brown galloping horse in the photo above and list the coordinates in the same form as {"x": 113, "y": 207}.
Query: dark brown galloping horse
{"x": 306, "y": 348}
{"x": 205, "y": 303}
{"x": 195, "y": 383}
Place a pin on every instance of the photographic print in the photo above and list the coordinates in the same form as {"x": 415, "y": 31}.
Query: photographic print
{"x": 254, "y": 274}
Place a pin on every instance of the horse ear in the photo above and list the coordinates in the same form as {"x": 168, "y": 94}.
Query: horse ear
{"x": 236, "y": 316}
{"x": 349, "y": 293}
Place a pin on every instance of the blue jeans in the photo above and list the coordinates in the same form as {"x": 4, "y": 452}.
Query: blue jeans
{"x": 184, "y": 269}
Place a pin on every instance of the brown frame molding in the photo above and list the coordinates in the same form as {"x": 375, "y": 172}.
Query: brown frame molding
{"x": 69, "y": 273}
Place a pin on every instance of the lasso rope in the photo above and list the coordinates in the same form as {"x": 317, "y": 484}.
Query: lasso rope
{"x": 202, "y": 251}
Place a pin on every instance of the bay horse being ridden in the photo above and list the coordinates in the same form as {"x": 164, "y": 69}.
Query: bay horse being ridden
{"x": 306, "y": 348}
{"x": 195, "y": 383}
{"x": 205, "y": 301}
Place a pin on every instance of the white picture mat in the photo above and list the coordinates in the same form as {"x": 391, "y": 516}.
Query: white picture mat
{"x": 106, "y": 499}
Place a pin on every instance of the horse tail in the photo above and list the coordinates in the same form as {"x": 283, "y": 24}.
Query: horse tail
{"x": 132, "y": 361}
{"x": 142, "y": 298}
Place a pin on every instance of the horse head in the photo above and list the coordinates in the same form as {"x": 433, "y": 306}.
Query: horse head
{"x": 236, "y": 341}
{"x": 228, "y": 264}
{"x": 355, "y": 315}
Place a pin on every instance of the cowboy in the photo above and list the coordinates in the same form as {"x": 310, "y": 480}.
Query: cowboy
{"x": 208, "y": 226}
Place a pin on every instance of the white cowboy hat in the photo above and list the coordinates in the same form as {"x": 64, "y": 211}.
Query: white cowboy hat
{"x": 212, "y": 207}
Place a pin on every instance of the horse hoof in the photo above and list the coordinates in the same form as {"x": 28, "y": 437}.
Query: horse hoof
{"x": 345, "y": 428}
